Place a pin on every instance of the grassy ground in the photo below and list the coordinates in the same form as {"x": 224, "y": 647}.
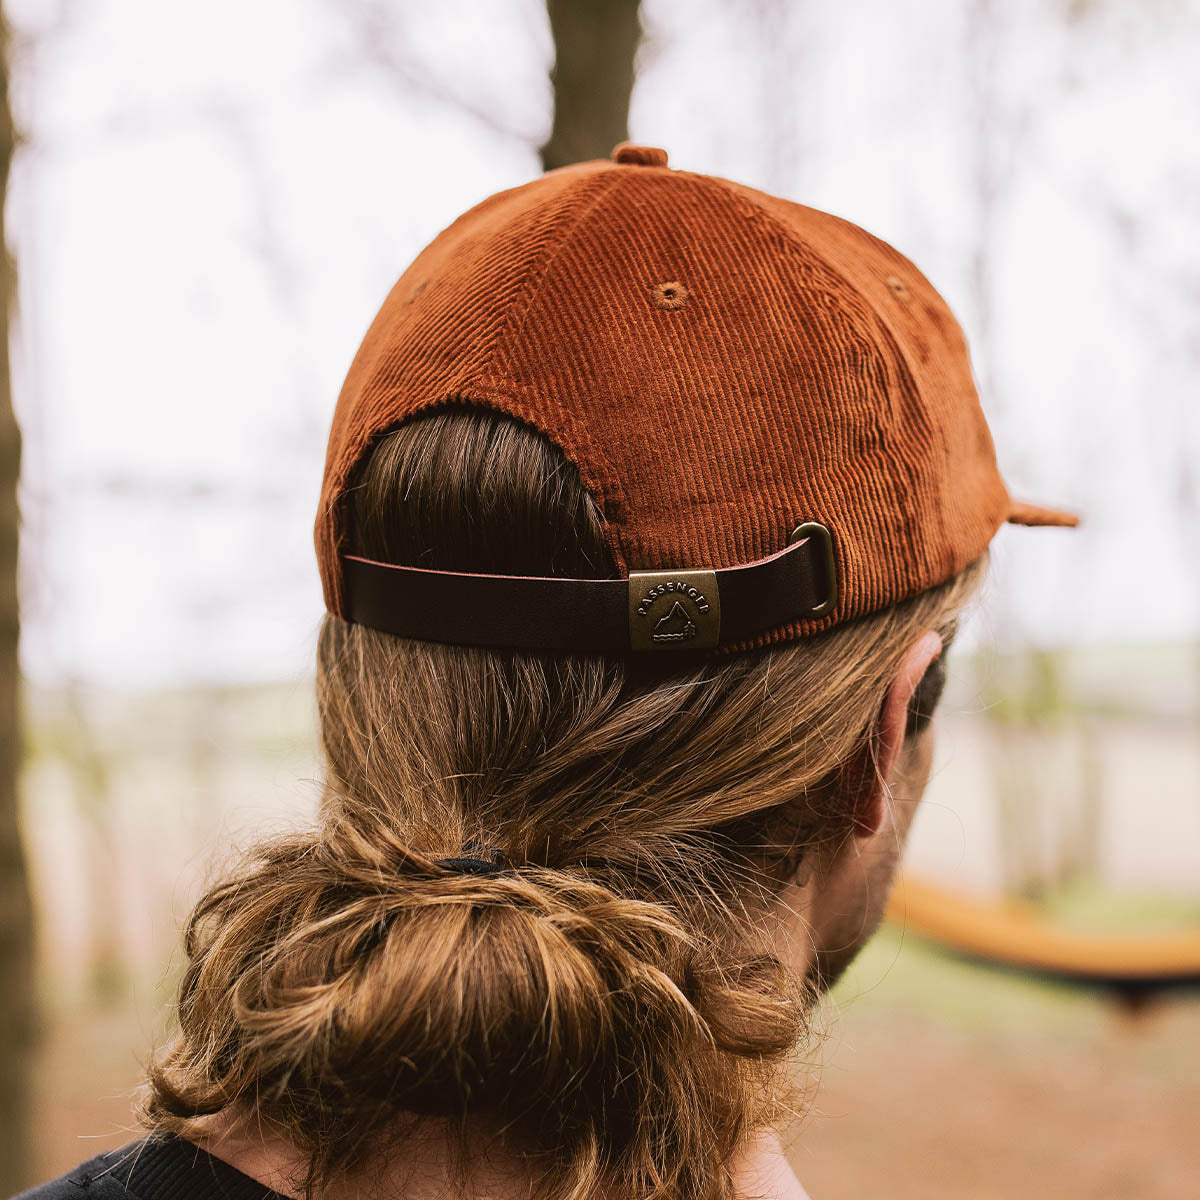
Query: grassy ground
{"x": 943, "y": 1079}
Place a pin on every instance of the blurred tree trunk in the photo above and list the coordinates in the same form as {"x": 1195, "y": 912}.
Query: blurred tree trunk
{"x": 92, "y": 777}
{"x": 595, "y": 42}
{"x": 16, "y": 919}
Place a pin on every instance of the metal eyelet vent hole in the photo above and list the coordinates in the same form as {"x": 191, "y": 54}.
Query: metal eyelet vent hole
{"x": 670, "y": 295}
{"x": 899, "y": 288}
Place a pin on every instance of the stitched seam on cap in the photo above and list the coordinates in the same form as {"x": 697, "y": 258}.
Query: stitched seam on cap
{"x": 761, "y": 212}
{"x": 499, "y": 394}
{"x": 765, "y": 214}
{"x": 513, "y": 330}
{"x": 514, "y": 324}
{"x": 578, "y": 429}
{"x": 580, "y": 435}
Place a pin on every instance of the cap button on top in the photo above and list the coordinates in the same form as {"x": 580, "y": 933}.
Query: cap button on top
{"x": 641, "y": 156}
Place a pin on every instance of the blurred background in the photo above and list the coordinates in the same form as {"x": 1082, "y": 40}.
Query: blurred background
{"x": 205, "y": 207}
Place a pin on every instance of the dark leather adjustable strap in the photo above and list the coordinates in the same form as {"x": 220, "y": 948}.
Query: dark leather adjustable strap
{"x": 650, "y": 611}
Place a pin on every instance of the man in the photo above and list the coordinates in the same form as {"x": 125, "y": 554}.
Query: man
{"x": 650, "y": 504}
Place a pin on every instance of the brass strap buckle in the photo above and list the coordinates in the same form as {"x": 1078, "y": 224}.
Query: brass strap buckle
{"x": 681, "y": 610}
{"x": 815, "y": 529}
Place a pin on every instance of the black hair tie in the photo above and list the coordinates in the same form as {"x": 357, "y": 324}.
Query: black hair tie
{"x": 494, "y": 864}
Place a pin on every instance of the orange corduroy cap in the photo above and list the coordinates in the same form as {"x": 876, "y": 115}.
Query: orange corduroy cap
{"x": 773, "y": 409}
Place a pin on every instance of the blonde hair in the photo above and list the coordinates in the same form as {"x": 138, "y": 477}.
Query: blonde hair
{"x": 610, "y": 1009}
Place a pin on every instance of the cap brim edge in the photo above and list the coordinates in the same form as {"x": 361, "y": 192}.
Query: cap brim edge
{"x": 1022, "y": 513}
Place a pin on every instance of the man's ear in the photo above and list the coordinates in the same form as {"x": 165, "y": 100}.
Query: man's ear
{"x": 864, "y": 781}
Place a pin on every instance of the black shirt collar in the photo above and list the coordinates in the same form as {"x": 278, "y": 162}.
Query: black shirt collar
{"x": 167, "y": 1167}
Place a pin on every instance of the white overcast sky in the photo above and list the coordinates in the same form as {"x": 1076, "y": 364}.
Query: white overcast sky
{"x": 212, "y": 200}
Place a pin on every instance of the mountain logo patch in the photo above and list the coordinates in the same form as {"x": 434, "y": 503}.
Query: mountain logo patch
{"x": 673, "y": 610}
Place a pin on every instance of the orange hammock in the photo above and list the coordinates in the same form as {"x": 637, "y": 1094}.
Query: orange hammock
{"x": 1010, "y": 934}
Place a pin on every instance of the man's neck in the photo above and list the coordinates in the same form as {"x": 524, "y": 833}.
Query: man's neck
{"x": 761, "y": 1171}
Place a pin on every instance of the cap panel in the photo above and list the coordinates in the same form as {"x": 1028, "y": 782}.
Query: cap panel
{"x": 966, "y": 492}
{"x": 772, "y": 395}
{"x": 437, "y": 330}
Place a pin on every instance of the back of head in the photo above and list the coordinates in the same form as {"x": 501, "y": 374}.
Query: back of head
{"x": 610, "y": 1007}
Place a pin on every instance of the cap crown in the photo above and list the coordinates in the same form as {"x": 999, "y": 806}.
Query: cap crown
{"x": 719, "y": 364}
